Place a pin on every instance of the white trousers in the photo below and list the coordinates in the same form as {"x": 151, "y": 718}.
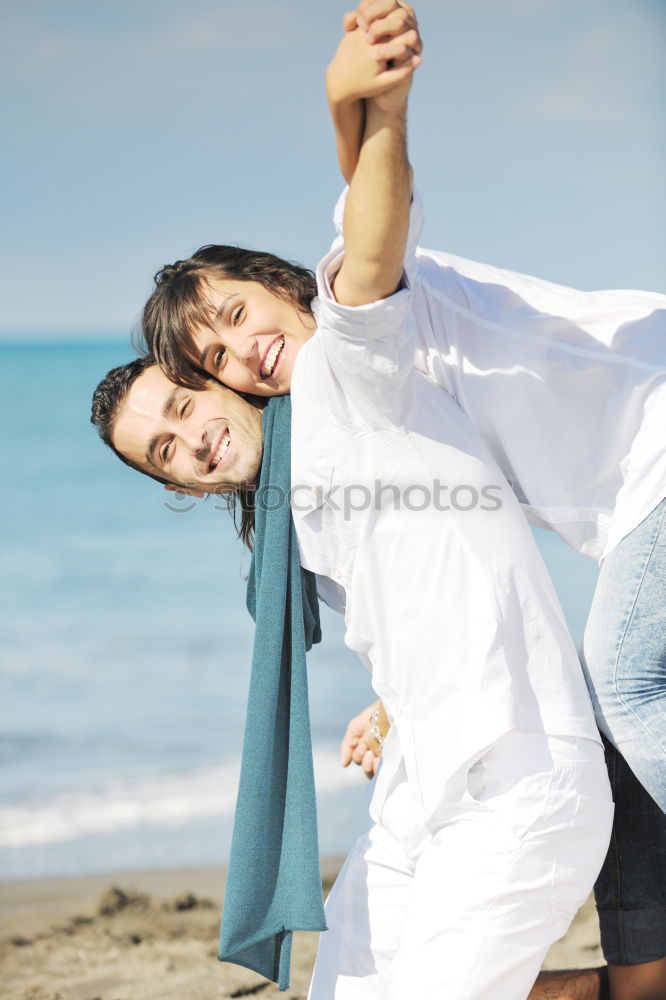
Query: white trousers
{"x": 467, "y": 907}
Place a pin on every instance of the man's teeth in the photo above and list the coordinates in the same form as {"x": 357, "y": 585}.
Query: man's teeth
{"x": 226, "y": 441}
{"x": 271, "y": 357}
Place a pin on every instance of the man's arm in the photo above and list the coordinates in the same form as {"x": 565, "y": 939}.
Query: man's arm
{"x": 376, "y": 219}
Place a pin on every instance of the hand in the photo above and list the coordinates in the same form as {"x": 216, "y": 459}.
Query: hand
{"x": 361, "y": 69}
{"x": 359, "y": 745}
{"x": 385, "y": 21}
{"x": 390, "y": 27}
{"x": 392, "y": 31}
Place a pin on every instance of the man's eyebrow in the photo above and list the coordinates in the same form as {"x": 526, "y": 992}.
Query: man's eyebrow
{"x": 150, "y": 451}
{"x": 170, "y": 400}
{"x": 166, "y": 410}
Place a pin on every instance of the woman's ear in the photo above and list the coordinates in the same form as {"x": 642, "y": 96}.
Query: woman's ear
{"x": 172, "y": 488}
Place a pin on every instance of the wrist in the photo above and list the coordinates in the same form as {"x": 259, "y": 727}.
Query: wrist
{"x": 343, "y": 108}
{"x": 379, "y": 114}
{"x": 338, "y": 98}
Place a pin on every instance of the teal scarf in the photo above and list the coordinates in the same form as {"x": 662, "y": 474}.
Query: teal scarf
{"x": 274, "y": 884}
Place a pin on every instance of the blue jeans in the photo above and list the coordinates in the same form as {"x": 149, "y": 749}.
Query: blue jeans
{"x": 624, "y": 659}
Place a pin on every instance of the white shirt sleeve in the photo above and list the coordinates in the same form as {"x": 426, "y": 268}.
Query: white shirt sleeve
{"x": 368, "y": 349}
{"x": 413, "y": 234}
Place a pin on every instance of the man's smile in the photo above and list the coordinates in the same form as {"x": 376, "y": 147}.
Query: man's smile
{"x": 220, "y": 451}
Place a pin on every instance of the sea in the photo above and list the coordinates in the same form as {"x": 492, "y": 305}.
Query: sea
{"x": 125, "y": 647}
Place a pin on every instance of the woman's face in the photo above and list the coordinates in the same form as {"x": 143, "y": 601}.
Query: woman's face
{"x": 254, "y": 337}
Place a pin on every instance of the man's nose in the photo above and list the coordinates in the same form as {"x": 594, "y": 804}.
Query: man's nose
{"x": 195, "y": 439}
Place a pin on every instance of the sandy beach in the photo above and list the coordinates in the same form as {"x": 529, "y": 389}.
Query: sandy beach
{"x": 152, "y": 935}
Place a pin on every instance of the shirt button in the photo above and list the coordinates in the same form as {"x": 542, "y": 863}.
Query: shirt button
{"x": 337, "y": 574}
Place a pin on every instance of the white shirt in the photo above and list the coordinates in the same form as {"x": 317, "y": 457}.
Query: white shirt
{"x": 452, "y": 610}
{"x": 567, "y": 388}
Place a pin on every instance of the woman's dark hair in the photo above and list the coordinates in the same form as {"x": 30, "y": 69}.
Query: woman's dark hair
{"x": 177, "y": 306}
{"x": 240, "y": 505}
{"x": 106, "y": 402}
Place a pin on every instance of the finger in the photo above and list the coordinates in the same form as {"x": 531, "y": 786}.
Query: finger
{"x": 359, "y": 753}
{"x": 410, "y": 37}
{"x": 372, "y": 9}
{"x": 368, "y": 763}
{"x": 397, "y": 48}
{"x": 376, "y": 10}
{"x": 391, "y": 77}
{"x": 407, "y": 62}
{"x": 349, "y": 21}
{"x": 352, "y": 732}
{"x": 347, "y": 747}
{"x": 396, "y": 23}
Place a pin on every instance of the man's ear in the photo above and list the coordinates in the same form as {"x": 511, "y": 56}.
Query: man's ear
{"x": 172, "y": 488}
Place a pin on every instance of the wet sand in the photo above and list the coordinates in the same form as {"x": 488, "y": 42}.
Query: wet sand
{"x": 152, "y": 935}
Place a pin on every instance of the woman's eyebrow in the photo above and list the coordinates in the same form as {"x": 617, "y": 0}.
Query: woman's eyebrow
{"x": 226, "y": 299}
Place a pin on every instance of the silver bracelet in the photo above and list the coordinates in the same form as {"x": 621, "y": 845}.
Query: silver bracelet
{"x": 373, "y": 728}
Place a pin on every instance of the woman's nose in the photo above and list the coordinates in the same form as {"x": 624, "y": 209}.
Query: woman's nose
{"x": 247, "y": 348}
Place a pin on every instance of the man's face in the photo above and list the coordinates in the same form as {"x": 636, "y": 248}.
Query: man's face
{"x": 204, "y": 440}
{"x": 253, "y": 339}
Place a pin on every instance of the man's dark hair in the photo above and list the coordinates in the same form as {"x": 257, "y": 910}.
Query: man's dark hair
{"x": 107, "y": 399}
{"x": 176, "y": 307}
{"x": 109, "y": 396}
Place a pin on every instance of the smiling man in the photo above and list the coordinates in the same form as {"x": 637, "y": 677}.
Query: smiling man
{"x": 208, "y": 440}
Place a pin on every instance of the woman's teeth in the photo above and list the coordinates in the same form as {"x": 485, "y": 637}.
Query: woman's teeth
{"x": 269, "y": 364}
{"x": 221, "y": 451}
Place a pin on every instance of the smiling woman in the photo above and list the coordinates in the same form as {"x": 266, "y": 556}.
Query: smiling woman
{"x": 237, "y": 314}
{"x": 252, "y": 338}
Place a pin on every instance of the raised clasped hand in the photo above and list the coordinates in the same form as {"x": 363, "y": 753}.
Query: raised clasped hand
{"x": 377, "y": 55}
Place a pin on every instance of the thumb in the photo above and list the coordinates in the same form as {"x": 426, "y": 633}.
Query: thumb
{"x": 349, "y": 21}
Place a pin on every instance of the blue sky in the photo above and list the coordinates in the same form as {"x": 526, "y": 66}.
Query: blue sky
{"x": 137, "y": 131}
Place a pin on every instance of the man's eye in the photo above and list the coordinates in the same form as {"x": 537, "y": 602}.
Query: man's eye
{"x": 186, "y": 408}
{"x": 165, "y": 454}
{"x": 237, "y": 315}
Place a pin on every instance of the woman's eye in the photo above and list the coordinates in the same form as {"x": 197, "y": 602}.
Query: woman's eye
{"x": 218, "y": 357}
{"x": 237, "y": 315}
